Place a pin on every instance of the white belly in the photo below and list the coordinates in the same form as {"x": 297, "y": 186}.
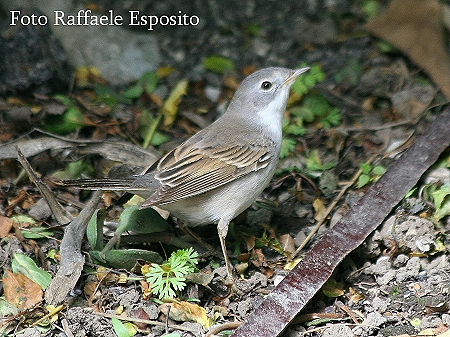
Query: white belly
{"x": 225, "y": 202}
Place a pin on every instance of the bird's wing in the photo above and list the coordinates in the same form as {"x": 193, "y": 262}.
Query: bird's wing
{"x": 188, "y": 171}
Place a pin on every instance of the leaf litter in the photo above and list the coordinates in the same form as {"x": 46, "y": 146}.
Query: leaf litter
{"x": 393, "y": 272}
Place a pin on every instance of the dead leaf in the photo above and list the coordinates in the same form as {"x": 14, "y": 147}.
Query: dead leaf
{"x": 250, "y": 242}
{"x": 91, "y": 291}
{"x": 356, "y": 296}
{"x": 287, "y": 243}
{"x": 140, "y": 313}
{"x": 416, "y": 27}
{"x": 84, "y": 76}
{"x": 5, "y": 226}
{"x": 291, "y": 264}
{"x": 147, "y": 291}
{"x": 320, "y": 208}
{"x": 200, "y": 278}
{"x": 21, "y": 291}
{"x": 105, "y": 276}
{"x": 170, "y": 107}
{"x": 333, "y": 289}
{"x": 184, "y": 311}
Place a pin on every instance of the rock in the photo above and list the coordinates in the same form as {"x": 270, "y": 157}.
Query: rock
{"x": 372, "y": 321}
{"x": 338, "y": 330}
{"x": 84, "y": 322}
{"x": 122, "y": 55}
{"x": 29, "y": 332}
{"x": 32, "y": 59}
{"x": 40, "y": 210}
{"x": 437, "y": 175}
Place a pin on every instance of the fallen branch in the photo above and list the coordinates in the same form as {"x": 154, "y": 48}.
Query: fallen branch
{"x": 72, "y": 260}
{"x": 293, "y": 293}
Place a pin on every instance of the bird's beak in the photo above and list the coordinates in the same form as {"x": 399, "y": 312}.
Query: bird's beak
{"x": 294, "y": 75}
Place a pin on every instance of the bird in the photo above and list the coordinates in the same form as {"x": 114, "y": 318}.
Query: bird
{"x": 220, "y": 171}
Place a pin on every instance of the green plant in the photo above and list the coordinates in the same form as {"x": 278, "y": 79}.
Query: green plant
{"x": 71, "y": 120}
{"x": 314, "y": 108}
{"x": 314, "y": 162}
{"x": 370, "y": 174}
{"x": 309, "y": 79}
{"x": 371, "y": 8}
{"x": 441, "y": 199}
{"x": 146, "y": 84}
{"x": 169, "y": 277}
{"x": 126, "y": 329}
{"x": 218, "y": 64}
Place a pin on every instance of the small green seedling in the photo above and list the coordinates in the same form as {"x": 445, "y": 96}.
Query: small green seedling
{"x": 169, "y": 277}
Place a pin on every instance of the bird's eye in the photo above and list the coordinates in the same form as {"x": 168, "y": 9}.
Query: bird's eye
{"x": 266, "y": 85}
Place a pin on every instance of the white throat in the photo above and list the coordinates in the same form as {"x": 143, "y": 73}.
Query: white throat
{"x": 271, "y": 118}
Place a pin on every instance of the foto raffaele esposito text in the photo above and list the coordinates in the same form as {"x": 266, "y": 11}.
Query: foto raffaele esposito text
{"x": 87, "y": 18}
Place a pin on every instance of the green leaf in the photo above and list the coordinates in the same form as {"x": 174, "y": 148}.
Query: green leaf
{"x": 300, "y": 87}
{"x": 6, "y": 309}
{"x": 119, "y": 328}
{"x": 371, "y": 8}
{"x": 333, "y": 289}
{"x": 317, "y": 103}
{"x": 351, "y": 72}
{"x": 295, "y": 127}
{"x": 23, "y": 219}
{"x": 159, "y": 138}
{"x": 132, "y": 328}
{"x": 379, "y": 170}
{"x": 333, "y": 118}
{"x": 314, "y": 162}
{"x": 126, "y": 259}
{"x": 70, "y": 121}
{"x": 141, "y": 221}
{"x": 148, "y": 126}
{"x": 366, "y": 168}
{"x": 411, "y": 192}
{"x": 170, "y": 277}
{"x": 386, "y": 47}
{"x": 36, "y": 233}
{"x": 440, "y": 194}
{"x": 134, "y": 91}
{"x": 304, "y": 113}
{"x": 443, "y": 211}
{"x": 308, "y": 80}
{"x": 415, "y": 322}
{"x": 75, "y": 170}
{"x": 441, "y": 201}
{"x": 218, "y": 64}
{"x": 363, "y": 180}
{"x": 109, "y": 96}
{"x": 287, "y": 146}
{"x": 94, "y": 230}
{"x": 22, "y": 264}
{"x": 147, "y": 83}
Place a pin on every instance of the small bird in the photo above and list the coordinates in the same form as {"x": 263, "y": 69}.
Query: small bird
{"x": 221, "y": 170}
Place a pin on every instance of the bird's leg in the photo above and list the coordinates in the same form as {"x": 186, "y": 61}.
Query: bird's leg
{"x": 222, "y": 229}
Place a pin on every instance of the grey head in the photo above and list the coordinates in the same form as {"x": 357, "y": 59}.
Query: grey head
{"x": 263, "y": 95}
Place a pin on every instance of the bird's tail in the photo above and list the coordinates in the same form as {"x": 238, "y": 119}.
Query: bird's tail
{"x": 142, "y": 185}
{"x": 112, "y": 184}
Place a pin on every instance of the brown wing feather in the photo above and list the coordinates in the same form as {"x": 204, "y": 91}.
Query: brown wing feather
{"x": 186, "y": 172}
